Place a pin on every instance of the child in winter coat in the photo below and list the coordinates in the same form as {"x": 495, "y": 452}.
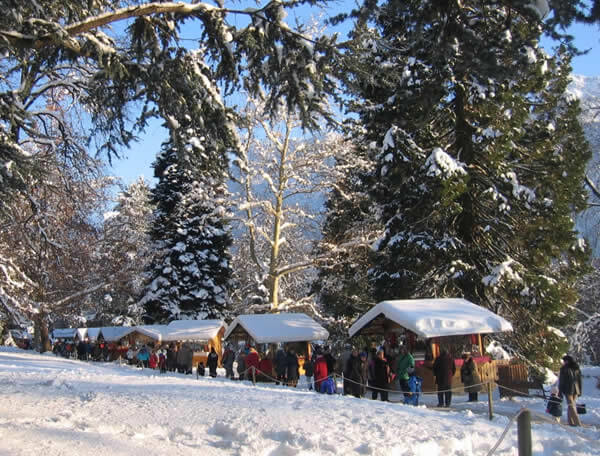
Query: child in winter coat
{"x": 200, "y": 371}
{"x": 162, "y": 363}
{"x": 554, "y": 406}
{"x": 153, "y": 361}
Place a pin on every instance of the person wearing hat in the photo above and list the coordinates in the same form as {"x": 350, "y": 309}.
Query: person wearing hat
{"x": 353, "y": 380}
{"x": 470, "y": 377}
{"x": 569, "y": 385}
{"x": 405, "y": 365}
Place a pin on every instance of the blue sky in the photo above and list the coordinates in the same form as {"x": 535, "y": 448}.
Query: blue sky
{"x": 139, "y": 158}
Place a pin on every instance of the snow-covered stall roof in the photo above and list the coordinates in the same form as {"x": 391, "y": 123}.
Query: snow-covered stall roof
{"x": 155, "y": 332}
{"x": 115, "y": 333}
{"x": 192, "y": 330}
{"x": 92, "y": 334}
{"x": 282, "y": 327}
{"x": 435, "y": 317}
{"x": 69, "y": 333}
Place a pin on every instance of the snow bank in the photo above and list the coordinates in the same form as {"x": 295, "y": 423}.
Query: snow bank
{"x": 56, "y": 406}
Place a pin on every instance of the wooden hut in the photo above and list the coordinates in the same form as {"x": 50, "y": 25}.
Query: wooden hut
{"x": 295, "y": 330}
{"x": 72, "y": 335}
{"x": 151, "y": 335}
{"x": 425, "y": 325}
{"x": 200, "y": 335}
{"x": 116, "y": 337}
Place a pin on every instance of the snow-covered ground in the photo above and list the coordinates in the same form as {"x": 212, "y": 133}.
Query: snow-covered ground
{"x": 53, "y": 406}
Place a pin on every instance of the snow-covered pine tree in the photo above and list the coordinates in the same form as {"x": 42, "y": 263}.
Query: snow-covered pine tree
{"x": 481, "y": 161}
{"x": 190, "y": 270}
{"x": 124, "y": 252}
{"x": 342, "y": 283}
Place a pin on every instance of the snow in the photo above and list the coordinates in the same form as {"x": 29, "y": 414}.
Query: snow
{"x": 69, "y": 333}
{"x": 93, "y": 333}
{"x": 182, "y": 330}
{"x": 282, "y": 327}
{"x": 106, "y": 408}
{"x": 114, "y": 333}
{"x": 440, "y": 163}
{"x": 436, "y": 317}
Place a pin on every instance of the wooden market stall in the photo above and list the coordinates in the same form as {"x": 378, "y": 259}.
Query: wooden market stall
{"x": 267, "y": 331}
{"x": 151, "y": 335}
{"x": 199, "y": 335}
{"x": 72, "y": 335}
{"x": 116, "y": 338}
{"x": 425, "y": 325}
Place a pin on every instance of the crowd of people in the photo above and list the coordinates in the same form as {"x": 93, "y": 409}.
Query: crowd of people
{"x": 377, "y": 370}
{"x": 84, "y": 350}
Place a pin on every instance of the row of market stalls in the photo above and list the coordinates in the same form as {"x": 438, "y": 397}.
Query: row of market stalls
{"x": 424, "y": 325}
{"x": 199, "y": 335}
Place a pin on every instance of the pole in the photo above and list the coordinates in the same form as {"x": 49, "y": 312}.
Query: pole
{"x": 490, "y": 401}
{"x": 253, "y": 375}
{"x": 524, "y": 432}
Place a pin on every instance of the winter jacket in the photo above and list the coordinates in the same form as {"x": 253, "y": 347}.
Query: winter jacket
{"x": 292, "y": 366}
{"x": 569, "y": 380}
{"x": 280, "y": 363}
{"x": 252, "y": 360}
{"x": 212, "y": 363}
{"x": 143, "y": 354}
{"x": 309, "y": 368}
{"x": 330, "y": 360}
{"x": 554, "y": 406}
{"x": 321, "y": 371}
{"x": 153, "y": 361}
{"x": 228, "y": 359}
{"x": 405, "y": 366}
{"x": 355, "y": 372}
{"x": 381, "y": 373}
{"x": 171, "y": 359}
{"x": 470, "y": 377}
{"x": 185, "y": 357}
{"x": 444, "y": 369}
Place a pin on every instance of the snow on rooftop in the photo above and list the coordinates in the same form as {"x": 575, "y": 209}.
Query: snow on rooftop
{"x": 193, "y": 329}
{"x": 282, "y": 327}
{"x": 436, "y": 317}
{"x": 156, "y": 332}
{"x": 92, "y": 333}
{"x": 114, "y": 333}
{"x": 69, "y": 333}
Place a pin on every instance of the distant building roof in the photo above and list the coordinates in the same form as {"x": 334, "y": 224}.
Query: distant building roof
{"x": 282, "y": 327}
{"x": 155, "y": 332}
{"x": 182, "y": 330}
{"x": 434, "y": 317}
{"x": 69, "y": 333}
{"x": 115, "y": 333}
{"x": 92, "y": 333}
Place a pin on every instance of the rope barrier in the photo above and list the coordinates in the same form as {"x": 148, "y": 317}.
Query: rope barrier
{"x": 503, "y": 435}
{"x": 420, "y": 392}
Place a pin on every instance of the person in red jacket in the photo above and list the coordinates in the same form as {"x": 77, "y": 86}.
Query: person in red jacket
{"x": 153, "y": 361}
{"x": 252, "y": 360}
{"x": 320, "y": 371}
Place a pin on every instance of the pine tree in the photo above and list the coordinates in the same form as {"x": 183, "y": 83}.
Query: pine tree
{"x": 190, "y": 271}
{"x": 480, "y": 161}
{"x": 342, "y": 283}
{"x": 124, "y": 253}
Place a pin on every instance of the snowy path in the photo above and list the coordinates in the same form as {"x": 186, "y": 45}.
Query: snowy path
{"x": 52, "y": 406}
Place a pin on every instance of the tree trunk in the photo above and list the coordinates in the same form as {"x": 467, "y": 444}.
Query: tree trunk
{"x": 42, "y": 339}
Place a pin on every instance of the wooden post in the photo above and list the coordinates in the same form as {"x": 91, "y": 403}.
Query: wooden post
{"x": 253, "y": 375}
{"x": 490, "y": 401}
{"x": 480, "y": 344}
{"x": 524, "y": 433}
